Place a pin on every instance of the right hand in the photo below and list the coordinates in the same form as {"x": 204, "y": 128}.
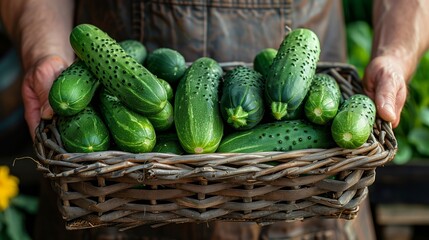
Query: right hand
{"x": 385, "y": 81}
{"x": 35, "y": 89}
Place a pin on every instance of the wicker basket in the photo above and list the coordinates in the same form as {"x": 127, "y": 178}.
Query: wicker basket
{"x": 114, "y": 188}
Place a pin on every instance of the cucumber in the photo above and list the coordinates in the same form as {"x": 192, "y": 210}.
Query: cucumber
{"x": 286, "y": 135}
{"x": 134, "y": 85}
{"x": 354, "y": 121}
{"x": 168, "y": 143}
{"x": 131, "y": 131}
{"x": 135, "y": 49}
{"x": 323, "y": 99}
{"x": 163, "y": 120}
{"x": 73, "y": 89}
{"x": 197, "y": 117}
{"x": 168, "y": 89}
{"x": 298, "y": 113}
{"x": 291, "y": 73}
{"x": 166, "y": 63}
{"x": 263, "y": 60}
{"x": 242, "y": 103}
{"x": 84, "y": 132}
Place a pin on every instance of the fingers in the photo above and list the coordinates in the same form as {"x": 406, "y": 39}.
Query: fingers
{"x": 390, "y": 97}
{"x": 384, "y": 82}
{"x": 32, "y": 109}
{"x": 35, "y": 90}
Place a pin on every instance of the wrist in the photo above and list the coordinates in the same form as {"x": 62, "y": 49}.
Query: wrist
{"x": 43, "y": 30}
{"x": 33, "y": 52}
{"x": 403, "y": 60}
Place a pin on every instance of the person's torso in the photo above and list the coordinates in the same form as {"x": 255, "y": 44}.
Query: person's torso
{"x": 221, "y": 29}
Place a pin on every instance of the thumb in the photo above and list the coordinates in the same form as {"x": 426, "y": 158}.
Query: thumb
{"x": 46, "y": 111}
{"x": 390, "y": 97}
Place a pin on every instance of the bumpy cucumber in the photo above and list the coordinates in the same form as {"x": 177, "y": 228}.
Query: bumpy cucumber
{"x": 121, "y": 74}
{"x": 354, "y": 121}
{"x": 135, "y": 49}
{"x": 197, "y": 117}
{"x": 323, "y": 99}
{"x": 73, "y": 89}
{"x": 163, "y": 120}
{"x": 166, "y": 63}
{"x": 291, "y": 73}
{"x": 84, "y": 132}
{"x": 263, "y": 60}
{"x": 286, "y": 135}
{"x": 131, "y": 131}
{"x": 242, "y": 100}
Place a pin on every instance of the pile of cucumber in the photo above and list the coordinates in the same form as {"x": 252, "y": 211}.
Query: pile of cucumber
{"x": 117, "y": 95}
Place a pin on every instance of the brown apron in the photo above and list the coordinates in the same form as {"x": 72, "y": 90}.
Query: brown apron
{"x": 226, "y": 30}
{"x": 232, "y": 30}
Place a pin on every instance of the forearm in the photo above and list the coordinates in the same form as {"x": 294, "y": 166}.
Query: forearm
{"x": 400, "y": 30}
{"x": 39, "y": 28}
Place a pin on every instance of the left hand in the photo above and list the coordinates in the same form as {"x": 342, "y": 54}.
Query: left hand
{"x": 385, "y": 81}
{"x": 35, "y": 89}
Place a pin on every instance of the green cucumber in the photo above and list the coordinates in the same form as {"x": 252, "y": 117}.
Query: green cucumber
{"x": 197, "y": 117}
{"x": 84, "y": 132}
{"x": 291, "y": 73}
{"x": 168, "y": 89}
{"x": 168, "y": 143}
{"x": 242, "y": 100}
{"x": 131, "y": 131}
{"x": 263, "y": 60}
{"x": 323, "y": 99}
{"x": 166, "y": 63}
{"x": 121, "y": 74}
{"x": 354, "y": 121}
{"x": 286, "y": 135}
{"x": 298, "y": 113}
{"x": 73, "y": 89}
{"x": 163, "y": 120}
{"x": 135, "y": 49}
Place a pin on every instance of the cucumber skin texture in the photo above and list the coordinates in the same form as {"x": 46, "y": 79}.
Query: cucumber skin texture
{"x": 167, "y": 64}
{"x": 324, "y": 95}
{"x": 134, "y": 85}
{"x": 163, "y": 120}
{"x": 131, "y": 131}
{"x": 84, "y": 132}
{"x": 73, "y": 89}
{"x": 168, "y": 88}
{"x": 135, "y": 49}
{"x": 292, "y": 71}
{"x": 197, "y": 117}
{"x": 355, "y": 118}
{"x": 263, "y": 60}
{"x": 286, "y": 135}
{"x": 242, "y": 99}
{"x": 168, "y": 143}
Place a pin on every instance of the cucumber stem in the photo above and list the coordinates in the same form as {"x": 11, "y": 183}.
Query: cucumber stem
{"x": 278, "y": 110}
{"x": 237, "y": 117}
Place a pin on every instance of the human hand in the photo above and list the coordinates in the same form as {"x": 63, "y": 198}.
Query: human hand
{"x": 385, "y": 81}
{"x": 35, "y": 89}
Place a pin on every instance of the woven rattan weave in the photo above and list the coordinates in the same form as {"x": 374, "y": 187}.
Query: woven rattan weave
{"x": 114, "y": 188}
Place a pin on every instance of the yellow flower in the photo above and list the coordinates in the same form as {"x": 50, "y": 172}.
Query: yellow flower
{"x": 8, "y": 187}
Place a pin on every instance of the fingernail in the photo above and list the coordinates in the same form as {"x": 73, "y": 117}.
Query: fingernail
{"x": 46, "y": 111}
{"x": 388, "y": 109}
